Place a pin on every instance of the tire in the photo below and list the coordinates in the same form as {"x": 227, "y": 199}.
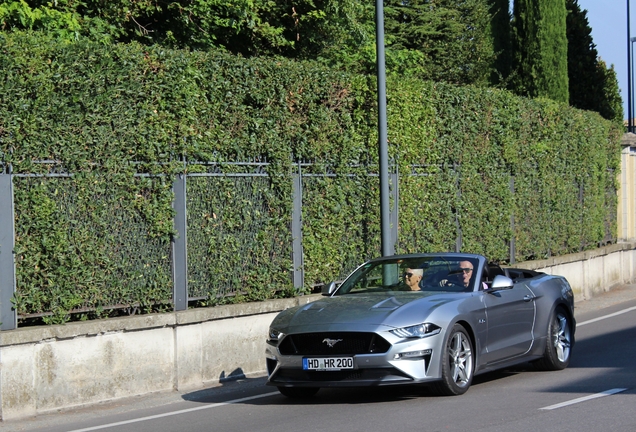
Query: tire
{"x": 458, "y": 364}
{"x": 298, "y": 392}
{"x": 558, "y": 343}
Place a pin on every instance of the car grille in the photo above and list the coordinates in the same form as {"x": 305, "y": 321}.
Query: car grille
{"x": 347, "y": 343}
{"x": 348, "y": 377}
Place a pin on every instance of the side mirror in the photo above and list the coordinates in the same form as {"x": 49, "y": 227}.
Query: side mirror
{"x": 501, "y": 283}
{"x": 328, "y": 289}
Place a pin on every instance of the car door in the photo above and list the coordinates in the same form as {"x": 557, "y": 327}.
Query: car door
{"x": 510, "y": 317}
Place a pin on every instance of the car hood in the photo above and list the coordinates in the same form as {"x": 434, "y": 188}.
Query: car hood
{"x": 363, "y": 310}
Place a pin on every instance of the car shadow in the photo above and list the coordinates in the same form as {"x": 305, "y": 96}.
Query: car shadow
{"x": 608, "y": 357}
{"x": 327, "y": 396}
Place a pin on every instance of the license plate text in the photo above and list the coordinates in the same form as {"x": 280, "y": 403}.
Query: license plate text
{"x": 328, "y": 363}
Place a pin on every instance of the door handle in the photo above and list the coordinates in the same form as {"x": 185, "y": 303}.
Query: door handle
{"x": 528, "y": 297}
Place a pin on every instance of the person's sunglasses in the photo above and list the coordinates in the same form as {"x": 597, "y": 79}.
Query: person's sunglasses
{"x": 408, "y": 274}
{"x": 466, "y": 270}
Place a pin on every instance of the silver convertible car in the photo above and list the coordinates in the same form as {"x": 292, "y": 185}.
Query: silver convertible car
{"x": 425, "y": 318}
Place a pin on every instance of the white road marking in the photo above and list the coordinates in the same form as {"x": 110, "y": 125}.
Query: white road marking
{"x": 597, "y": 395}
{"x": 584, "y": 398}
{"x": 173, "y": 413}
{"x": 606, "y": 316}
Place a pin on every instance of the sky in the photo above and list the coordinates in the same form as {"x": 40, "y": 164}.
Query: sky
{"x": 608, "y": 21}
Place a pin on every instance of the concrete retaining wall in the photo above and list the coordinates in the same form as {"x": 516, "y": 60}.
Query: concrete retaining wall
{"x": 591, "y": 272}
{"x": 56, "y": 367}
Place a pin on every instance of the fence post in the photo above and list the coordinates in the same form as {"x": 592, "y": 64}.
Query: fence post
{"x": 8, "y": 315}
{"x": 297, "y": 231}
{"x": 180, "y": 245}
{"x": 513, "y": 245}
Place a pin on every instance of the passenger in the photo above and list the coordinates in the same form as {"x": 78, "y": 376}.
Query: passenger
{"x": 412, "y": 278}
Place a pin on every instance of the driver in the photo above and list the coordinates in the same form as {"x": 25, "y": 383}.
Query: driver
{"x": 412, "y": 278}
{"x": 466, "y": 268}
{"x": 465, "y": 273}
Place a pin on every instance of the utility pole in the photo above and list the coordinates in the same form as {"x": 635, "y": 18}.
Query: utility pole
{"x": 630, "y": 126}
{"x": 385, "y": 223}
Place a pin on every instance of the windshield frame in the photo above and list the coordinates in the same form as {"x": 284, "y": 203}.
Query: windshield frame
{"x": 387, "y": 274}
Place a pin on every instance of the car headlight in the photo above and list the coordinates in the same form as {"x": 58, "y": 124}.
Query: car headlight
{"x": 417, "y": 331}
{"x": 274, "y": 335}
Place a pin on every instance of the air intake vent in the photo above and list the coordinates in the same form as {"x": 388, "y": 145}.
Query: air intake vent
{"x": 333, "y": 343}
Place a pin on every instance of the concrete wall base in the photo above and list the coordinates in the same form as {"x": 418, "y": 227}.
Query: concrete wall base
{"x": 77, "y": 364}
{"x": 591, "y": 272}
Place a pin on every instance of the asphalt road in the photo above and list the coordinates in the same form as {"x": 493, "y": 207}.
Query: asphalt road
{"x": 596, "y": 393}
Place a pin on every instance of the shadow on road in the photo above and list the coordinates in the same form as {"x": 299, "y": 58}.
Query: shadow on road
{"x": 608, "y": 357}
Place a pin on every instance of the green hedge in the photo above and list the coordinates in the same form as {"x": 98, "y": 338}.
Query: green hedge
{"x": 562, "y": 164}
{"x": 105, "y": 113}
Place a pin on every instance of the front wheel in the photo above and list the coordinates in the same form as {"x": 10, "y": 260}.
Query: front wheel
{"x": 457, "y": 364}
{"x": 558, "y": 344}
{"x": 298, "y": 392}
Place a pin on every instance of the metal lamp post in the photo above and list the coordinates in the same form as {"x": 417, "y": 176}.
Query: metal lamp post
{"x": 630, "y": 126}
{"x": 385, "y": 225}
{"x": 631, "y": 86}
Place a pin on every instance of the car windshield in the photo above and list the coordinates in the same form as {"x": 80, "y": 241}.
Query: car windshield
{"x": 428, "y": 273}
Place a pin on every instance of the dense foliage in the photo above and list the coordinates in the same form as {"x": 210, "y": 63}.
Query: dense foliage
{"x": 443, "y": 40}
{"x": 611, "y": 104}
{"x": 248, "y": 26}
{"x": 592, "y": 85}
{"x": 454, "y": 41}
{"x": 106, "y": 112}
{"x": 540, "y": 49}
{"x": 501, "y": 39}
{"x": 490, "y": 158}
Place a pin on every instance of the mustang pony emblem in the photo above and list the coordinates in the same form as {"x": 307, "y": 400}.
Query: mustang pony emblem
{"x": 331, "y": 342}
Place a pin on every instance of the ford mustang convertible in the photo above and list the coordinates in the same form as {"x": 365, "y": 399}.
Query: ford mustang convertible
{"x": 435, "y": 319}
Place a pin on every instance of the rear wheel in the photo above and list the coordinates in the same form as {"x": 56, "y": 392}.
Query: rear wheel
{"x": 558, "y": 343}
{"x": 298, "y": 392}
{"x": 458, "y": 364}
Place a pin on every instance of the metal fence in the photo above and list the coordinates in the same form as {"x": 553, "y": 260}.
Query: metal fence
{"x": 212, "y": 256}
{"x": 209, "y": 257}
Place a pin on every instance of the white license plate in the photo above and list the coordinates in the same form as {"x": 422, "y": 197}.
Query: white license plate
{"x": 328, "y": 363}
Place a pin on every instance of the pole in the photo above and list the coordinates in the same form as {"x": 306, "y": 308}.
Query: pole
{"x": 8, "y": 315}
{"x": 631, "y": 79}
{"x": 180, "y": 245}
{"x": 385, "y": 223}
{"x": 630, "y": 126}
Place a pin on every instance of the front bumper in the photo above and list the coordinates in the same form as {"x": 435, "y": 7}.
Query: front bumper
{"x": 406, "y": 361}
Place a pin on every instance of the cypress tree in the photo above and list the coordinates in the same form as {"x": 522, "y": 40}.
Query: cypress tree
{"x": 585, "y": 82}
{"x": 592, "y": 85}
{"x": 540, "y": 61}
{"x": 448, "y": 39}
{"x": 501, "y": 37}
{"x": 611, "y": 104}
